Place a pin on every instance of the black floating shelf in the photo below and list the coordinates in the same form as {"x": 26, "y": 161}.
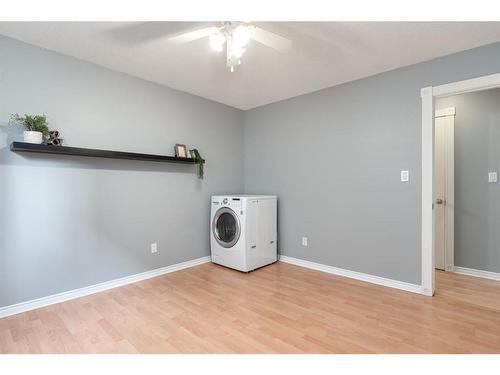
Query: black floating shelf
{"x": 77, "y": 151}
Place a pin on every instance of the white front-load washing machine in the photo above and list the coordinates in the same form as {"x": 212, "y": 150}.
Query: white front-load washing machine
{"x": 243, "y": 231}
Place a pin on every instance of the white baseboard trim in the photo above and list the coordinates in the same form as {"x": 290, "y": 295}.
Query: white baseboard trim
{"x": 81, "y": 292}
{"x": 414, "y": 288}
{"x": 477, "y": 273}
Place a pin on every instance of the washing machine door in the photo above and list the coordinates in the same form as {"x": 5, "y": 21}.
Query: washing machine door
{"x": 226, "y": 227}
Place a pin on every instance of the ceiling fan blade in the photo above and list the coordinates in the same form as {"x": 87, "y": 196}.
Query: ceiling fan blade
{"x": 270, "y": 39}
{"x": 132, "y": 33}
{"x": 193, "y": 35}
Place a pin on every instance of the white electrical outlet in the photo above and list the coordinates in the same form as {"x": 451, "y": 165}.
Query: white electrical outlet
{"x": 154, "y": 248}
{"x": 405, "y": 176}
{"x": 304, "y": 241}
{"x": 492, "y": 177}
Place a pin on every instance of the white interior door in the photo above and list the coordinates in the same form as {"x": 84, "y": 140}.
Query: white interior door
{"x": 444, "y": 188}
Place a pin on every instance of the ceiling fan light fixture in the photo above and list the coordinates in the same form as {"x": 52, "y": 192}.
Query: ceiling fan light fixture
{"x": 234, "y": 36}
{"x": 241, "y": 35}
{"x": 217, "y": 40}
{"x": 237, "y": 51}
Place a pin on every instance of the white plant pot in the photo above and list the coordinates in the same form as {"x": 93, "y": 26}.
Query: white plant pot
{"x": 33, "y": 137}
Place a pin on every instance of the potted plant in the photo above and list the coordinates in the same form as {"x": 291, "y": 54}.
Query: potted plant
{"x": 36, "y": 127}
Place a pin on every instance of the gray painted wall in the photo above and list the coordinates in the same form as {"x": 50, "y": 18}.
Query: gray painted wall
{"x": 334, "y": 159}
{"x": 477, "y": 202}
{"x": 69, "y": 222}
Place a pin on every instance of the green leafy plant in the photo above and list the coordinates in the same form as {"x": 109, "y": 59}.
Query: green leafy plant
{"x": 36, "y": 123}
{"x": 198, "y": 160}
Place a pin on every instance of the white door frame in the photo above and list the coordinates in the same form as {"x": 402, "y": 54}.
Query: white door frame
{"x": 428, "y": 94}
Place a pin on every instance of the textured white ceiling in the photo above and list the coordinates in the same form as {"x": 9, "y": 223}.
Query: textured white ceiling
{"x": 324, "y": 54}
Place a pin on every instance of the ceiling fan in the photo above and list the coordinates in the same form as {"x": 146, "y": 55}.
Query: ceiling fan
{"x": 235, "y": 36}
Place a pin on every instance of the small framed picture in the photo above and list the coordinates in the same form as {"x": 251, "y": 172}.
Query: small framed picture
{"x": 181, "y": 151}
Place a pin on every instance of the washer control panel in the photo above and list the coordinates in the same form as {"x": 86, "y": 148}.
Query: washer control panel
{"x": 228, "y": 202}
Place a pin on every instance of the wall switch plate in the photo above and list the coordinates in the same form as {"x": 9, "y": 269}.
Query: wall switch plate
{"x": 304, "y": 241}
{"x": 492, "y": 177}
{"x": 154, "y": 248}
{"x": 405, "y": 176}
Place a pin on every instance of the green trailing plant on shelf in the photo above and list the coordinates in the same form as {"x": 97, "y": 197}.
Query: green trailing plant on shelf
{"x": 198, "y": 160}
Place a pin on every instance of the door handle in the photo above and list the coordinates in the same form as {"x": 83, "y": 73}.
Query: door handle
{"x": 439, "y": 201}
{"x": 254, "y": 246}
{"x": 271, "y": 241}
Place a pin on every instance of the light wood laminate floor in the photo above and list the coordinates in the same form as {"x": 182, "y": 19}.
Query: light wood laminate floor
{"x": 277, "y": 309}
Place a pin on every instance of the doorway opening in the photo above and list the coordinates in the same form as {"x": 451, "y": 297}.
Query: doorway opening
{"x": 438, "y": 195}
